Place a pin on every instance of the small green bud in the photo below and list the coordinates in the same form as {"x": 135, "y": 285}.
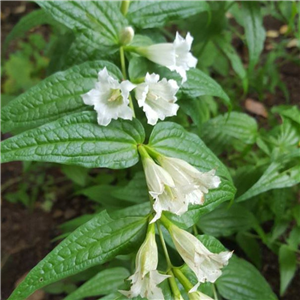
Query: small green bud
{"x": 126, "y": 35}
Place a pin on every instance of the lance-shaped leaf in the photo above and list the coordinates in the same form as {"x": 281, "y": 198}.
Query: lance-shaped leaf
{"x": 254, "y": 30}
{"x": 199, "y": 84}
{"x": 100, "y": 21}
{"x": 78, "y": 140}
{"x": 103, "y": 283}
{"x": 173, "y": 140}
{"x": 54, "y": 97}
{"x": 241, "y": 280}
{"x": 150, "y": 14}
{"x": 273, "y": 178}
{"x": 95, "y": 242}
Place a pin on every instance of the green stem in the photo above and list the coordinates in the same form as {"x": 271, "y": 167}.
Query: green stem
{"x": 123, "y": 67}
{"x": 186, "y": 283}
{"x": 156, "y": 155}
{"x": 124, "y": 7}
{"x": 143, "y": 152}
{"x": 215, "y": 292}
{"x": 174, "y": 286}
{"x": 195, "y": 230}
{"x": 164, "y": 246}
{"x": 165, "y": 221}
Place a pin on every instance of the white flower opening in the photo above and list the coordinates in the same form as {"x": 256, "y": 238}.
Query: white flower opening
{"x": 192, "y": 183}
{"x": 109, "y": 98}
{"x": 176, "y": 56}
{"x": 146, "y": 277}
{"x": 176, "y": 184}
{"x": 157, "y": 98}
{"x": 205, "y": 264}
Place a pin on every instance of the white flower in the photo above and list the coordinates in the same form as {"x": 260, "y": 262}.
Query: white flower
{"x": 171, "y": 200}
{"x": 146, "y": 277}
{"x": 109, "y": 98}
{"x": 205, "y": 264}
{"x": 157, "y": 178}
{"x": 177, "y": 56}
{"x": 192, "y": 183}
{"x": 157, "y": 98}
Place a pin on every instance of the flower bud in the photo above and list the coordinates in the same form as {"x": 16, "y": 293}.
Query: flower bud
{"x": 126, "y": 35}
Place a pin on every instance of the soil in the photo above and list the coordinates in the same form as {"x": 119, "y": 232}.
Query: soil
{"x": 27, "y": 235}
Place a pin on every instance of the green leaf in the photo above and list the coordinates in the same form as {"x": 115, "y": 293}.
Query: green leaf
{"x": 33, "y": 19}
{"x": 273, "y": 178}
{"x": 251, "y": 247}
{"x": 77, "y": 174}
{"x": 85, "y": 49}
{"x": 199, "y": 84}
{"x": 78, "y": 140}
{"x": 225, "y": 221}
{"x": 99, "y": 21}
{"x": 221, "y": 132}
{"x": 135, "y": 191}
{"x": 254, "y": 30}
{"x": 288, "y": 266}
{"x": 236, "y": 62}
{"x": 150, "y": 14}
{"x": 173, "y": 140}
{"x": 242, "y": 281}
{"x": 95, "y": 242}
{"x": 211, "y": 243}
{"x": 103, "y": 283}
{"x": 288, "y": 111}
{"x": 54, "y": 97}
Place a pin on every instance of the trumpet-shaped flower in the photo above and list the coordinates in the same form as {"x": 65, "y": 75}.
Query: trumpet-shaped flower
{"x": 171, "y": 200}
{"x": 205, "y": 264}
{"x": 157, "y": 178}
{"x": 192, "y": 183}
{"x": 157, "y": 98}
{"x": 146, "y": 277}
{"x": 176, "y": 56}
{"x": 109, "y": 98}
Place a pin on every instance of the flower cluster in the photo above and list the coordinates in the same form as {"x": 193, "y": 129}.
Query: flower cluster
{"x": 174, "y": 184}
{"x": 111, "y": 98}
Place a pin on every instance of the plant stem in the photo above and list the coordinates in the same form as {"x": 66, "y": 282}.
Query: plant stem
{"x": 215, "y": 292}
{"x": 123, "y": 67}
{"x": 174, "y": 286}
{"x": 164, "y": 246}
{"x": 186, "y": 284}
{"x": 195, "y": 230}
{"x": 153, "y": 153}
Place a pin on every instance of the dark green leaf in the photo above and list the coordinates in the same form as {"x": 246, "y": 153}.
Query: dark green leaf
{"x": 135, "y": 191}
{"x": 150, "y": 14}
{"x": 199, "y": 84}
{"x": 251, "y": 247}
{"x": 78, "y": 140}
{"x": 254, "y": 30}
{"x": 225, "y": 221}
{"x": 288, "y": 266}
{"x": 241, "y": 281}
{"x": 99, "y": 21}
{"x": 103, "y": 283}
{"x": 95, "y": 242}
{"x": 219, "y": 133}
{"x": 54, "y": 97}
{"x": 273, "y": 178}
